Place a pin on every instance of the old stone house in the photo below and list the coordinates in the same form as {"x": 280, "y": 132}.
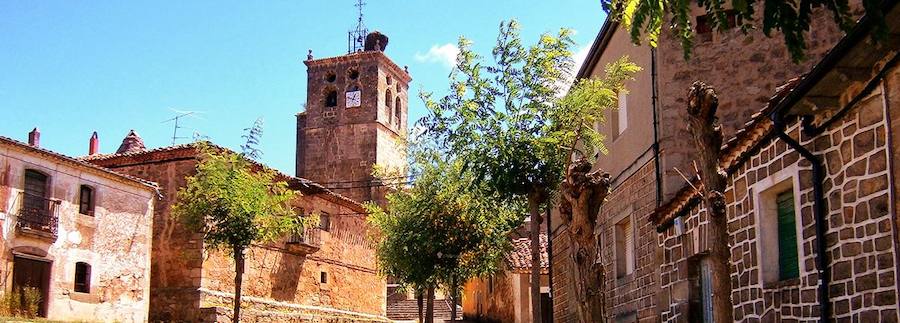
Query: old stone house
{"x": 811, "y": 198}
{"x": 77, "y": 233}
{"x": 328, "y": 272}
{"x": 649, "y": 144}
{"x": 506, "y": 296}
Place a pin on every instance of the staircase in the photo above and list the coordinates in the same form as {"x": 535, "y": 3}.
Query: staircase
{"x": 408, "y": 310}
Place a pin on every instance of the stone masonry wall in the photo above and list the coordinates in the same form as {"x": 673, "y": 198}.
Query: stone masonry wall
{"x": 177, "y": 254}
{"x": 114, "y": 241}
{"x": 744, "y": 68}
{"x": 860, "y": 245}
{"x": 277, "y": 272}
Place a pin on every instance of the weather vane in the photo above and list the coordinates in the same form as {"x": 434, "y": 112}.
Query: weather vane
{"x": 356, "y": 39}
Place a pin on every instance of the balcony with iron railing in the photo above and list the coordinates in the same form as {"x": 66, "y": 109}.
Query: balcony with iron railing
{"x": 307, "y": 242}
{"x": 37, "y": 215}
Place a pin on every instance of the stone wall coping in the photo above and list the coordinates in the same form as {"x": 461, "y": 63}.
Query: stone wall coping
{"x": 290, "y": 305}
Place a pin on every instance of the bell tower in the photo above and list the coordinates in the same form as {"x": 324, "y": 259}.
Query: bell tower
{"x": 355, "y": 117}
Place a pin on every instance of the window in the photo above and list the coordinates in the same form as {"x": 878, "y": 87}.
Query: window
{"x": 35, "y": 204}
{"x": 388, "y": 99}
{"x": 353, "y": 74}
{"x": 330, "y": 77}
{"x": 779, "y": 250}
{"x": 624, "y": 248}
{"x": 86, "y": 200}
{"x": 331, "y": 99}
{"x": 325, "y": 221}
{"x": 620, "y": 116}
{"x": 82, "y": 277}
{"x": 389, "y": 80}
{"x": 323, "y": 277}
{"x": 397, "y": 112}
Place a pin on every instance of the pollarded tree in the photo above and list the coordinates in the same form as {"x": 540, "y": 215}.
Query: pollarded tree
{"x": 442, "y": 230}
{"x": 513, "y": 130}
{"x": 645, "y": 19}
{"x": 235, "y": 204}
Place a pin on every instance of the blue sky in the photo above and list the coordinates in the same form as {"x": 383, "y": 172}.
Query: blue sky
{"x": 73, "y": 67}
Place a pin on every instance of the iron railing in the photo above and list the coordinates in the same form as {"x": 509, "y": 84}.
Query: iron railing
{"x": 38, "y": 213}
{"x": 311, "y": 237}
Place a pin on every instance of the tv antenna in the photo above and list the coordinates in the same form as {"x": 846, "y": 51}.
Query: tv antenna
{"x": 180, "y": 114}
{"x": 356, "y": 39}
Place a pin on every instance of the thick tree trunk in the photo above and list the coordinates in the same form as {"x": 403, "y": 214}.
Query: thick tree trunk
{"x": 429, "y": 307}
{"x": 534, "y": 207}
{"x": 238, "y": 279}
{"x": 419, "y": 301}
{"x": 583, "y": 192}
{"x": 704, "y": 127}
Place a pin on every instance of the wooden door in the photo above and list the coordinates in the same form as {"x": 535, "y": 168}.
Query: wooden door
{"x": 34, "y": 274}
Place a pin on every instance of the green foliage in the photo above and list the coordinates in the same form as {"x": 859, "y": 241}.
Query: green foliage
{"x": 443, "y": 229}
{"x": 645, "y": 19}
{"x": 23, "y": 302}
{"x": 508, "y": 122}
{"x": 234, "y": 202}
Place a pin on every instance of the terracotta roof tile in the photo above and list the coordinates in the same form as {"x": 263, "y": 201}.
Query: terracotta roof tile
{"x": 519, "y": 258}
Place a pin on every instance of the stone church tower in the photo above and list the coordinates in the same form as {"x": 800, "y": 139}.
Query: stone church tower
{"x": 355, "y": 118}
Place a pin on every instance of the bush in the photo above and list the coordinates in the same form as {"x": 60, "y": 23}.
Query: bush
{"x": 23, "y": 302}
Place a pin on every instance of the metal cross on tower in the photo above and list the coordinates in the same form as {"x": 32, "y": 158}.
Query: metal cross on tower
{"x": 356, "y": 39}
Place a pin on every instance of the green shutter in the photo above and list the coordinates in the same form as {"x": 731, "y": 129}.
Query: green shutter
{"x": 787, "y": 237}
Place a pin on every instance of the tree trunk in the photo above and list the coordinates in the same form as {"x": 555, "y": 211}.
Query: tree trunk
{"x": 429, "y": 307}
{"x": 534, "y": 204}
{"x": 419, "y": 301}
{"x": 583, "y": 192}
{"x": 453, "y": 298}
{"x": 707, "y": 134}
{"x": 238, "y": 279}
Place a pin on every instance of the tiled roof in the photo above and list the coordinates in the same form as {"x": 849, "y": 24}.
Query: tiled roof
{"x": 187, "y": 151}
{"x": 76, "y": 162}
{"x": 519, "y": 258}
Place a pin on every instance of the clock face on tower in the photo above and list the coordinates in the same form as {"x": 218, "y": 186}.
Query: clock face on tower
{"x": 353, "y": 99}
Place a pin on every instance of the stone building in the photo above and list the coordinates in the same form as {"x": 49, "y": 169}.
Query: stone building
{"x": 77, "y": 233}
{"x": 811, "y": 198}
{"x": 649, "y": 144}
{"x": 506, "y": 296}
{"x": 326, "y": 273}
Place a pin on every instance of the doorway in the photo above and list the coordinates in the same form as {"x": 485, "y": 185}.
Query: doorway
{"x": 30, "y": 273}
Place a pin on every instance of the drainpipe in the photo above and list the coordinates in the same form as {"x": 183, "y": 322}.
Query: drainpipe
{"x": 550, "y": 260}
{"x": 819, "y": 210}
{"x": 654, "y": 99}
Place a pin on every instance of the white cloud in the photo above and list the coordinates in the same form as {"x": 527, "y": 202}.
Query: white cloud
{"x": 580, "y": 56}
{"x": 443, "y": 54}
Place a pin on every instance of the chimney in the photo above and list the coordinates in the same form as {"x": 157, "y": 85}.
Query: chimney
{"x": 34, "y": 137}
{"x": 94, "y": 146}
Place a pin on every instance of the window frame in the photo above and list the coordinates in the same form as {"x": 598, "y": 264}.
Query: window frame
{"x": 765, "y": 192}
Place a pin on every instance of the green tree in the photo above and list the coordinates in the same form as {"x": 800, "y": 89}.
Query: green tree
{"x": 442, "y": 230}
{"x": 645, "y": 19}
{"x": 513, "y": 130}
{"x": 235, "y": 203}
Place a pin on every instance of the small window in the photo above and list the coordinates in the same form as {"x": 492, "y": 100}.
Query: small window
{"x": 778, "y": 227}
{"x": 330, "y": 77}
{"x": 86, "y": 200}
{"x": 325, "y": 221}
{"x": 331, "y": 99}
{"x": 624, "y": 248}
{"x": 705, "y": 22}
{"x": 82, "y": 277}
{"x": 323, "y": 277}
{"x": 397, "y": 112}
{"x": 399, "y": 89}
{"x": 353, "y": 74}
{"x": 388, "y": 99}
{"x": 620, "y": 116}
{"x": 389, "y": 80}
